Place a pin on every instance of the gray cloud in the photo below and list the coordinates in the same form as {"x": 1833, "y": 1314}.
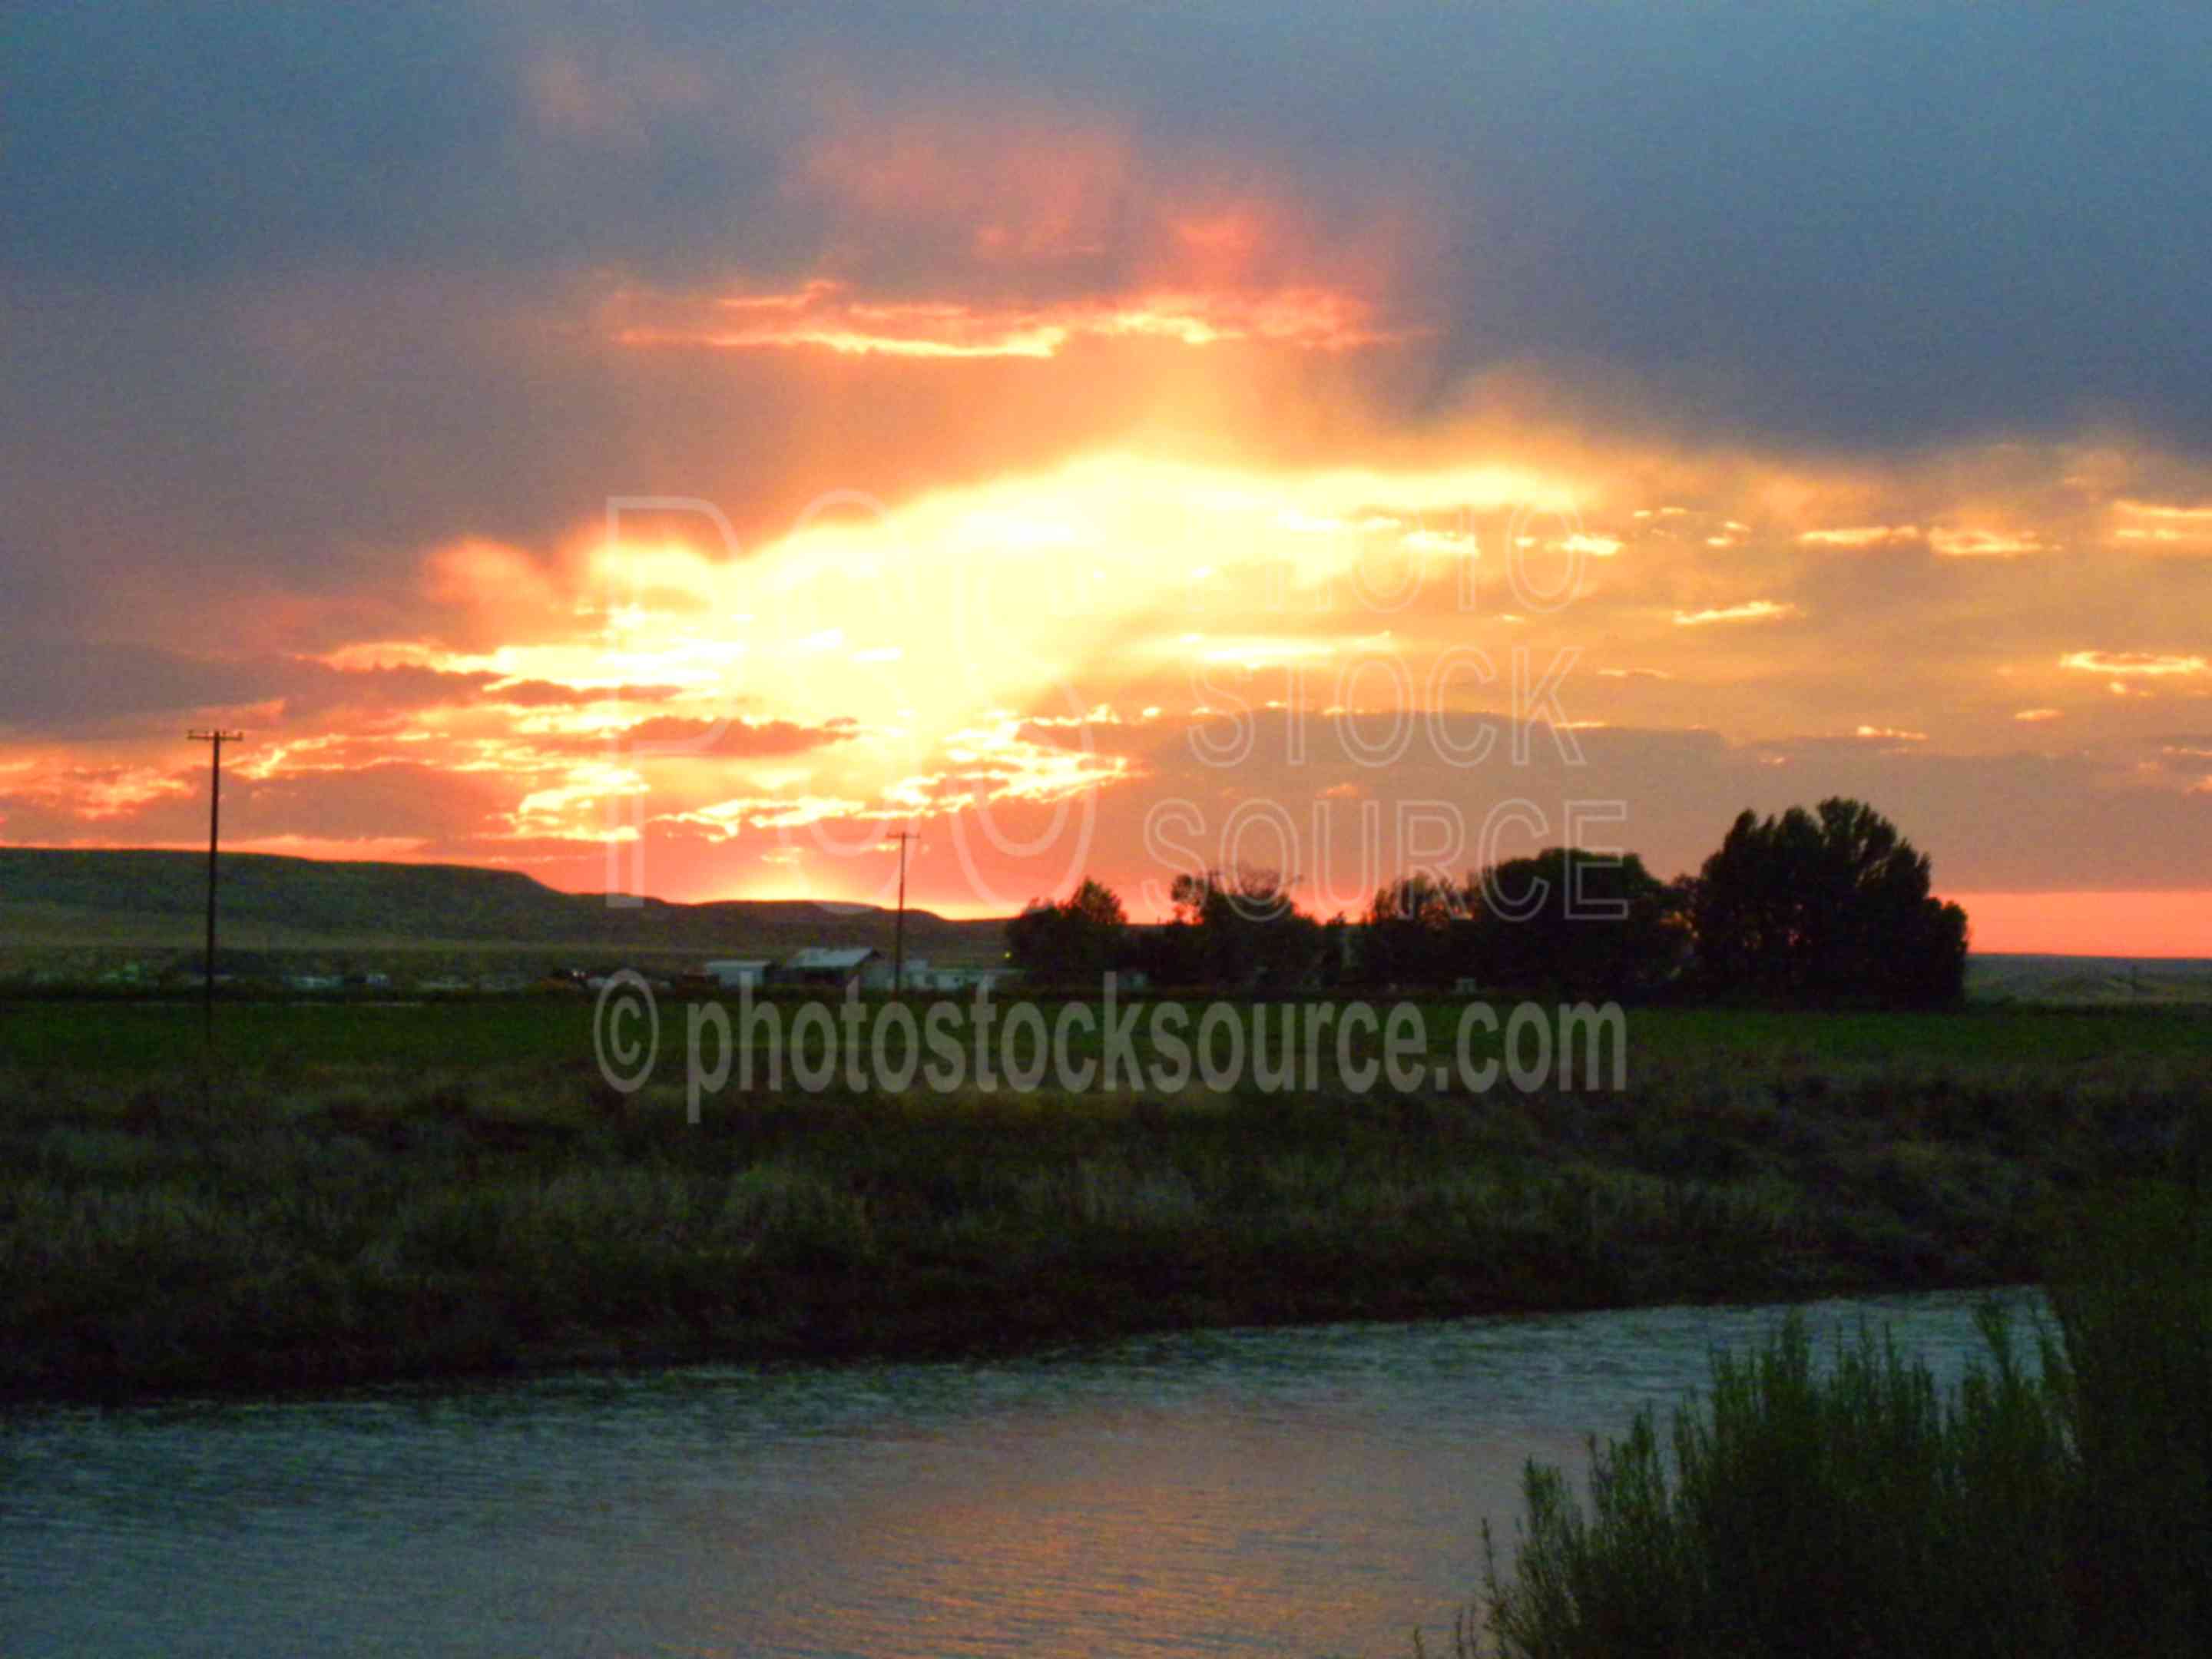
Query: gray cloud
{"x": 62, "y": 686}
{"x": 1837, "y": 223}
{"x": 59, "y": 684}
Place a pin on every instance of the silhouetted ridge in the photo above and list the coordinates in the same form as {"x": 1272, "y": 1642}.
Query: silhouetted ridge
{"x": 364, "y": 899}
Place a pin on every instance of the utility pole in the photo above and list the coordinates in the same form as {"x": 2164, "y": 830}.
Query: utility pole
{"x": 899, "y": 929}
{"x": 218, "y": 738}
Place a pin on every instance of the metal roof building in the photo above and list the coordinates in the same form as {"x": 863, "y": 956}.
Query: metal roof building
{"x": 818, "y": 964}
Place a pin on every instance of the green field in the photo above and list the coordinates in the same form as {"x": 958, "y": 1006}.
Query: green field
{"x": 258, "y": 1038}
{"x": 344, "y": 1192}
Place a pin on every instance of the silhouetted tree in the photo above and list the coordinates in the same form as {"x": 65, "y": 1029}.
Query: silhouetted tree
{"x": 1071, "y": 943}
{"x": 1248, "y": 933}
{"x": 1833, "y": 909}
{"x": 1566, "y": 920}
{"x": 1414, "y": 933}
{"x": 1340, "y": 962}
{"x": 1171, "y": 954}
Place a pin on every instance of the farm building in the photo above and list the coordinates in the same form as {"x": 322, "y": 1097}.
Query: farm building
{"x": 740, "y": 973}
{"x": 835, "y": 967}
{"x": 921, "y": 976}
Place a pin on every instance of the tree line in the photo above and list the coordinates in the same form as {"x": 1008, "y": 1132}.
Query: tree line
{"x": 1829, "y": 907}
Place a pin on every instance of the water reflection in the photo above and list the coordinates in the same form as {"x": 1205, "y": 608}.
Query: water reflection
{"x": 1296, "y": 1492}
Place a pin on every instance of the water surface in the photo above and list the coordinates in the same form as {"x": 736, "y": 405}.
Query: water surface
{"x": 1300, "y": 1491}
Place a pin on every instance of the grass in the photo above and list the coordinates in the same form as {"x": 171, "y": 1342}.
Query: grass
{"x": 1841, "y": 1514}
{"x": 2058, "y": 1509}
{"x": 2007, "y": 1044}
{"x": 2135, "y": 1301}
{"x": 349, "y": 1241}
{"x": 353, "y": 1193}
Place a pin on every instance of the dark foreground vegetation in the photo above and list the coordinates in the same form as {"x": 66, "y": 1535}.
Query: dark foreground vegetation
{"x": 359, "y": 1193}
{"x": 2064, "y": 1509}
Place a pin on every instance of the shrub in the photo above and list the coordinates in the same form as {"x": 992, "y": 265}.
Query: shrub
{"x": 2064, "y": 1509}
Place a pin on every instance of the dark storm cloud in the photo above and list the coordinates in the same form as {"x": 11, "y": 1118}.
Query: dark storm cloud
{"x": 56, "y": 686}
{"x": 51, "y": 684}
{"x": 154, "y": 140}
{"x": 1830, "y": 222}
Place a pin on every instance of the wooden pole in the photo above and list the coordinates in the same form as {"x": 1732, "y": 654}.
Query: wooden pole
{"x": 217, "y": 739}
{"x": 898, "y": 927}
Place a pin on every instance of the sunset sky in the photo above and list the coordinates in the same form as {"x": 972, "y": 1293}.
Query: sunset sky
{"x": 672, "y": 446}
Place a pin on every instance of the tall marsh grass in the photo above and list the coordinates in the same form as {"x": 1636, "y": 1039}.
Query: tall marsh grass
{"x": 1854, "y": 1509}
{"x": 343, "y": 1194}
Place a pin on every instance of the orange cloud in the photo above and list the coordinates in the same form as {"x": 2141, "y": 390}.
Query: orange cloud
{"x": 981, "y": 642}
{"x": 2163, "y": 525}
{"x": 2192, "y": 515}
{"x": 1750, "y": 610}
{"x": 1985, "y": 544}
{"x": 1016, "y": 187}
{"x": 825, "y": 315}
{"x": 1872, "y": 535}
{"x": 98, "y": 794}
{"x": 1012, "y": 231}
{"x": 2133, "y": 664}
{"x": 1038, "y": 186}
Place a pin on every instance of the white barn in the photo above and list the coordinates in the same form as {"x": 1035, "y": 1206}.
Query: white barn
{"x": 837, "y": 966}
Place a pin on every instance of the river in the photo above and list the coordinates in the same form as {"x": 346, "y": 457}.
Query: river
{"x": 1301, "y": 1491}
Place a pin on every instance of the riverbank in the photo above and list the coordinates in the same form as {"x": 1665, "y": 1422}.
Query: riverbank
{"x": 336, "y": 1209}
{"x": 2057, "y": 1501}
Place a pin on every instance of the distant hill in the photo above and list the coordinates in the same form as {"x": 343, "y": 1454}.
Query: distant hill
{"x": 2087, "y": 980}
{"x": 82, "y": 912}
{"x": 55, "y": 896}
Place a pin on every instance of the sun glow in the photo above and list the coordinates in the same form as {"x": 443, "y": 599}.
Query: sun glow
{"x": 910, "y": 652}
{"x": 769, "y": 707}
